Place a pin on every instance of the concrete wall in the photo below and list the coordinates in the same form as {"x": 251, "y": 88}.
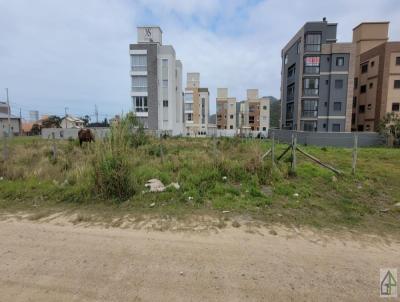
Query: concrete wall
{"x": 61, "y": 133}
{"x": 333, "y": 139}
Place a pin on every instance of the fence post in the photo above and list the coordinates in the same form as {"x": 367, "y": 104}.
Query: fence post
{"x": 273, "y": 149}
{"x": 54, "y": 147}
{"x": 161, "y": 149}
{"x": 355, "y": 147}
{"x": 294, "y": 159}
{"x": 5, "y": 146}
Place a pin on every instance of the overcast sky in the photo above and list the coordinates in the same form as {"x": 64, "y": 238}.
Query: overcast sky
{"x": 74, "y": 53}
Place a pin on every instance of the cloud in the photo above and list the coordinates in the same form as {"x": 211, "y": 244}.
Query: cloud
{"x": 56, "y": 54}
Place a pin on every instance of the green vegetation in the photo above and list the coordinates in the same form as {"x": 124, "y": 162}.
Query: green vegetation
{"x": 225, "y": 175}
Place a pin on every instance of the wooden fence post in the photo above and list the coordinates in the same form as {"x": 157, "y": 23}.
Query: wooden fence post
{"x": 355, "y": 147}
{"x": 54, "y": 146}
{"x": 294, "y": 159}
{"x": 5, "y": 146}
{"x": 273, "y": 149}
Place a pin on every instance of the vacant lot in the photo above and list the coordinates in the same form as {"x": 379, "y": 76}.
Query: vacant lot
{"x": 107, "y": 179}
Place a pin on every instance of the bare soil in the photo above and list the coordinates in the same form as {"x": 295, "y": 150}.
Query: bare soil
{"x": 47, "y": 261}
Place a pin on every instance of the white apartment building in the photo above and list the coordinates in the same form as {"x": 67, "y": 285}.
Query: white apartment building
{"x": 156, "y": 77}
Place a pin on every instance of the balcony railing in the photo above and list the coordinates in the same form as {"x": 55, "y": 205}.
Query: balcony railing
{"x": 309, "y": 113}
{"x": 139, "y": 89}
{"x": 141, "y": 109}
{"x": 312, "y": 47}
{"x": 311, "y": 92}
{"x": 139, "y": 68}
{"x": 311, "y": 69}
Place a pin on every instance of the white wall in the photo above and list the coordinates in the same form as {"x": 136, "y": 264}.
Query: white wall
{"x": 14, "y": 126}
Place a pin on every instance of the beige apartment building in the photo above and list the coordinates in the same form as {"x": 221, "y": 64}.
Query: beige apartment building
{"x": 226, "y": 110}
{"x": 377, "y": 76}
{"x": 254, "y": 112}
{"x": 196, "y": 102}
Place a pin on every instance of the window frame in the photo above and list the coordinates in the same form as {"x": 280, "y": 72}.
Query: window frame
{"x": 339, "y": 59}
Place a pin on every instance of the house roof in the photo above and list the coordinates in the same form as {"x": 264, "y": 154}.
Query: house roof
{"x": 5, "y": 116}
{"x": 73, "y": 119}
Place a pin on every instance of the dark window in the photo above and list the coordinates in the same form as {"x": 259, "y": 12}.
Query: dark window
{"x": 324, "y": 125}
{"x": 313, "y": 42}
{"x": 231, "y": 116}
{"x": 165, "y": 103}
{"x": 264, "y": 128}
{"x": 364, "y": 68}
{"x": 290, "y": 92}
{"x": 310, "y": 126}
{"x": 395, "y": 106}
{"x": 355, "y": 83}
{"x": 311, "y": 65}
{"x": 289, "y": 111}
{"x": 309, "y": 108}
{"x": 360, "y": 128}
{"x": 397, "y": 84}
{"x": 363, "y": 88}
{"x": 140, "y": 104}
{"x": 354, "y": 101}
{"x": 335, "y": 127}
{"x": 371, "y": 85}
{"x": 291, "y": 71}
{"x": 340, "y": 61}
{"x": 361, "y": 109}
{"x": 326, "y": 104}
{"x": 264, "y": 107}
{"x": 327, "y": 82}
{"x": 397, "y": 60}
{"x": 337, "y": 106}
{"x": 353, "y": 118}
{"x": 311, "y": 86}
{"x": 369, "y": 106}
{"x": 338, "y": 84}
{"x": 230, "y": 127}
{"x": 372, "y": 63}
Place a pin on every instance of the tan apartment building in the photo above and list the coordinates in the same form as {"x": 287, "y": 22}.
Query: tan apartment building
{"x": 254, "y": 112}
{"x": 196, "y": 106}
{"x": 377, "y": 76}
{"x": 226, "y": 110}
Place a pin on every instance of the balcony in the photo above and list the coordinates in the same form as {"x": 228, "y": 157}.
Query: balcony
{"x": 310, "y": 92}
{"x": 139, "y": 89}
{"x": 139, "y": 68}
{"x": 311, "y": 69}
{"x": 312, "y": 47}
{"x": 309, "y": 113}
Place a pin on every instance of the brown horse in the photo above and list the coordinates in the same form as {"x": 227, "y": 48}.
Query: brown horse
{"x": 85, "y": 135}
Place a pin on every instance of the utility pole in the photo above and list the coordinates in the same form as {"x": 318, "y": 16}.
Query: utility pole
{"x": 96, "y": 113}
{"x": 8, "y": 114}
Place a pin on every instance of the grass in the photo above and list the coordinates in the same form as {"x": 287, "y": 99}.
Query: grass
{"x": 225, "y": 176}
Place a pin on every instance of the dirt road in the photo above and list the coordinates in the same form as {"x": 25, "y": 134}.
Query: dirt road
{"x": 46, "y": 262}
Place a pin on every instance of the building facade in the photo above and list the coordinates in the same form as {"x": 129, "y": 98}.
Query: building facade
{"x": 196, "y": 106}
{"x": 226, "y": 110}
{"x": 317, "y": 80}
{"x": 377, "y": 76}
{"x": 156, "y": 78}
{"x": 8, "y": 122}
{"x": 254, "y": 112}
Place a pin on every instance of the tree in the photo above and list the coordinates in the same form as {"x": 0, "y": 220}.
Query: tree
{"x": 35, "y": 130}
{"x": 390, "y": 126}
{"x": 85, "y": 119}
{"x": 52, "y": 121}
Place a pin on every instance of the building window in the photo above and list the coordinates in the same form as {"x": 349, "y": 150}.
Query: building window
{"x": 311, "y": 87}
{"x": 231, "y": 116}
{"x": 264, "y": 129}
{"x": 355, "y": 83}
{"x": 338, "y": 84}
{"x": 264, "y": 107}
{"x": 140, "y": 104}
{"x": 395, "y": 106}
{"x": 364, "y": 68}
{"x": 298, "y": 49}
{"x": 286, "y": 59}
{"x": 290, "y": 93}
{"x": 396, "y": 84}
{"x": 363, "y": 88}
{"x": 189, "y": 116}
{"x": 335, "y": 127}
{"x": 311, "y": 65}
{"x": 372, "y": 63}
{"x": 188, "y": 106}
{"x": 397, "y": 60}
{"x": 371, "y": 85}
{"x": 139, "y": 83}
{"x": 310, "y": 126}
{"x": 354, "y": 101}
{"x": 139, "y": 62}
{"x": 337, "y": 106}
{"x": 327, "y": 82}
{"x": 324, "y": 125}
{"x": 309, "y": 108}
{"x": 369, "y": 106}
{"x": 340, "y": 61}
{"x": 313, "y": 42}
{"x": 289, "y": 111}
{"x": 292, "y": 71}
{"x": 231, "y": 127}
{"x": 251, "y": 119}
{"x": 360, "y": 128}
{"x": 165, "y": 103}
{"x": 361, "y": 109}
{"x": 353, "y": 118}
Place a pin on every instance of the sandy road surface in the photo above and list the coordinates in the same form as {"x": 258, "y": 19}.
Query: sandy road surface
{"x": 45, "y": 262}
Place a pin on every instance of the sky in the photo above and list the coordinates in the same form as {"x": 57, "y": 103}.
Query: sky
{"x": 75, "y": 53}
